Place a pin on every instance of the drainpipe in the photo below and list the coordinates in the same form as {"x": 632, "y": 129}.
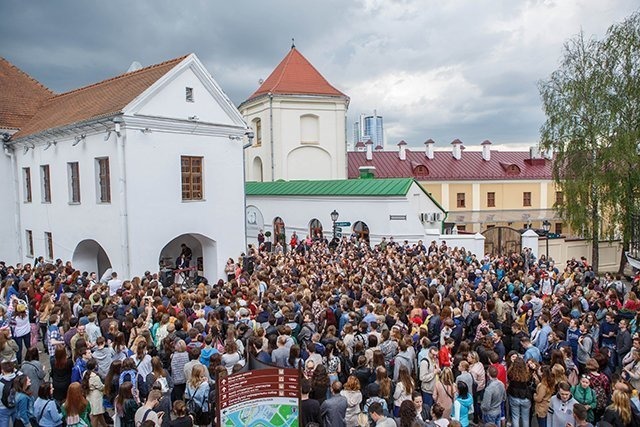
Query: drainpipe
{"x": 273, "y": 165}
{"x": 16, "y": 196}
{"x": 250, "y": 136}
{"x": 122, "y": 198}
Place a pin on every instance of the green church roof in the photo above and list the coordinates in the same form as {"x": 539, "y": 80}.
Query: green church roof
{"x": 343, "y": 187}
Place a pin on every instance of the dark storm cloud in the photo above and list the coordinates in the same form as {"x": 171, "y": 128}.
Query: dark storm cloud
{"x": 443, "y": 70}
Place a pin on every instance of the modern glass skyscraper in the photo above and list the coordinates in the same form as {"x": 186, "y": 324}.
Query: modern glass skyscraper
{"x": 369, "y": 128}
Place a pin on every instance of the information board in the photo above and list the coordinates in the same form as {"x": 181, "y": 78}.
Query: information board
{"x": 259, "y": 398}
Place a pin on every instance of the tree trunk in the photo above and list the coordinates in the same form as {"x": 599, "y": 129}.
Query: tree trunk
{"x": 595, "y": 223}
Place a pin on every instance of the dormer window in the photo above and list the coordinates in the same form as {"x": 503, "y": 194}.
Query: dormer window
{"x": 510, "y": 168}
{"x": 188, "y": 94}
{"x": 420, "y": 171}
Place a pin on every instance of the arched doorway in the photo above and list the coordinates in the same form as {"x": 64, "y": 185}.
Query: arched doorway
{"x": 90, "y": 256}
{"x": 361, "y": 230}
{"x": 315, "y": 229}
{"x": 203, "y": 262}
{"x": 279, "y": 232}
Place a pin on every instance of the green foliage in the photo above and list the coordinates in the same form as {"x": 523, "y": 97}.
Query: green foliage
{"x": 592, "y": 107}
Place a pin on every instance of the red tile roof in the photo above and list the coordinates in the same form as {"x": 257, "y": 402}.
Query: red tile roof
{"x": 20, "y": 96}
{"x": 443, "y": 167}
{"x": 101, "y": 99}
{"x": 296, "y": 76}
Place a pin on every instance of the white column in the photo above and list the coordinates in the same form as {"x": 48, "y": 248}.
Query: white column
{"x": 544, "y": 197}
{"x": 445, "y": 196}
{"x": 475, "y": 197}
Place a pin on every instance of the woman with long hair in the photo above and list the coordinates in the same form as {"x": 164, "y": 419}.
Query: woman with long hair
{"x": 23, "y": 414}
{"x": 404, "y": 389}
{"x": 45, "y": 408}
{"x": 182, "y": 419}
{"x": 143, "y": 366}
{"x": 543, "y": 394}
{"x": 353, "y": 395}
{"x": 94, "y": 391}
{"x": 618, "y": 413}
{"x": 444, "y": 391}
{"x": 407, "y": 414}
{"x": 126, "y": 405}
{"x": 385, "y": 384}
{"x": 179, "y": 358}
{"x": 331, "y": 361}
{"x": 8, "y": 346}
{"x": 112, "y": 383}
{"x": 76, "y": 409}
{"x": 319, "y": 384}
{"x": 294, "y": 361}
{"x": 197, "y": 396}
{"x": 159, "y": 375}
{"x": 61, "y": 373}
{"x": 519, "y": 392}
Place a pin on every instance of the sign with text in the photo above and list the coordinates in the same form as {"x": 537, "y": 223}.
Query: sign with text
{"x": 343, "y": 224}
{"x": 263, "y": 397}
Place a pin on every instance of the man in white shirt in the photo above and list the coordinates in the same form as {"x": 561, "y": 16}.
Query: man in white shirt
{"x": 114, "y": 284}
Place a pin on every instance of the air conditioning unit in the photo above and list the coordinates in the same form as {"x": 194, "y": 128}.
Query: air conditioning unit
{"x": 439, "y": 216}
{"x": 423, "y": 217}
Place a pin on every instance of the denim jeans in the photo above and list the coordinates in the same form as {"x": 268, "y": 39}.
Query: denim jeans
{"x": 542, "y": 422}
{"x": 6, "y": 416}
{"x": 491, "y": 418}
{"x": 427, "y": 399}
{"x": 520, "y": 409}
{"x": 26, "y": 340}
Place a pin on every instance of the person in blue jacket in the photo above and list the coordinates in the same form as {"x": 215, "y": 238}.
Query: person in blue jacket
{"x": 45, "y": 408}
{"x": 24, "y": 407}
{"x": 463, "y": 405}
{"x": 81, "y": 365}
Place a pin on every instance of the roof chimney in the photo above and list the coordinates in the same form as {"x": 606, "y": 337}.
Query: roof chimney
{"x": 402, "y": 153}
{"x": 486, "y": 150}
{"x": 429, "y": 148}
{"x": 369, "y": 145}
{"x": 379, "y": 147}
{"x": 457, "y": 149}
{"x": 360, "y": 146}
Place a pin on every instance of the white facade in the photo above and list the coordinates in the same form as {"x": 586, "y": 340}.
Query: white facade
{"x": 397, "y": 216}
{"x": 9, "y": 220}
{"x": 146, "y": 218}
{"x": 296, "y": 137}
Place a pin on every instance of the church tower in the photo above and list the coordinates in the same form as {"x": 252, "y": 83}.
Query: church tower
{"x": 299, "y": 121}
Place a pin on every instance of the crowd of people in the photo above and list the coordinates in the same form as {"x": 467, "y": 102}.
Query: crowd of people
{"x": 393, "y": 334}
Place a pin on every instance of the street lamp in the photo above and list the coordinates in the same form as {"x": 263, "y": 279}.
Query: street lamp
{"x": 546, "y": 226}
{"x": 334, "y": 218}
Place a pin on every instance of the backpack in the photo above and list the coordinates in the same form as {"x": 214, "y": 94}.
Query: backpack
{"x": 8, "y": 394}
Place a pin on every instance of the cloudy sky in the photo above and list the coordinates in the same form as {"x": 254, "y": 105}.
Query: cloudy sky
{"x": 450, "y": 69}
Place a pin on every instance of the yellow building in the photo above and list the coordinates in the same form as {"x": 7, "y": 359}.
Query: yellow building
{"x": 479, "y": 189}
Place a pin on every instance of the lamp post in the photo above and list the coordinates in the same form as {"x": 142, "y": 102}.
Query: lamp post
{"x": 334, "y": 218}
{"x": 546, "y": 226}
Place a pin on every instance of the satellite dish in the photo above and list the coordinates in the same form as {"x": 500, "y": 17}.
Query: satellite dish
{"x": 135, "y": 66}
{"x": 260, "y": 81}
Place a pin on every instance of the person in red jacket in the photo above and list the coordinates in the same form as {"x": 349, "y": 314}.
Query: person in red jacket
{"x": 444, "y": 355}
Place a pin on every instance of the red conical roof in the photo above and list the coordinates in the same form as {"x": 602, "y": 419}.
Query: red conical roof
{"x": 296, "y": 76}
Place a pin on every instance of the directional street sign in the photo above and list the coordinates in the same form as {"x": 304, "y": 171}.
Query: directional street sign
{"x": 338, "y": 234}
{"x": 338, "y": 229}
{"x": 343, "y": 224}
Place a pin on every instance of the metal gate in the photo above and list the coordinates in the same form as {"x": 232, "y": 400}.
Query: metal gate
{"x": 502, "y": 241}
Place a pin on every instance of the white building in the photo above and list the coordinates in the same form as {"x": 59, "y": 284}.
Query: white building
{"x": 299, "y": 120}
{"x": 371, "y": 208}
{"x": 119, "y": 173}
